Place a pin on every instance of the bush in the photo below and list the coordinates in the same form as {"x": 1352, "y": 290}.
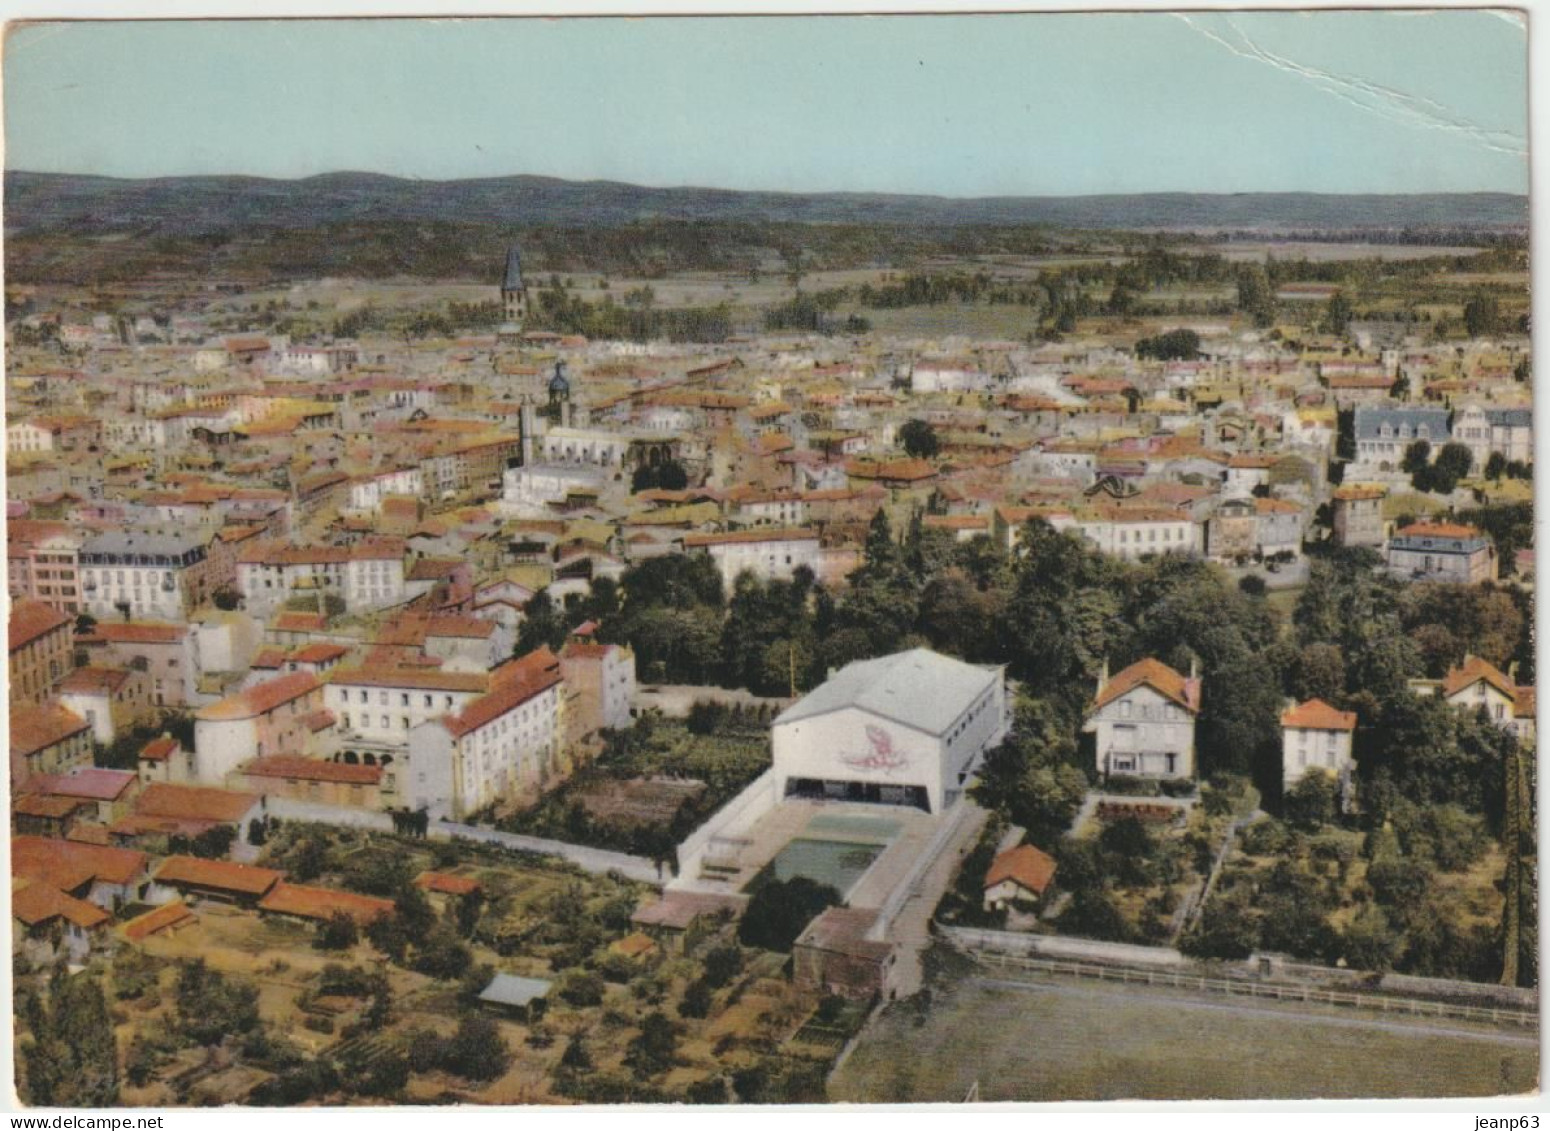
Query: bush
{"x": 1266, "y": 838}
{"x": 338, "y": 932}
{"x": 1093, "y": 914}
{"x": 582, "y": 988}
{"x": 477, "y": 1051}
{"x": 696, "y": 1000}
{"x": 722, "y": 964}
{"x": 1311, "y": 803}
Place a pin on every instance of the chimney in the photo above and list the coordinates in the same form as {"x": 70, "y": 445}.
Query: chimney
{"x": 1194, "y": 668}
{"x": 1103, "y": 676}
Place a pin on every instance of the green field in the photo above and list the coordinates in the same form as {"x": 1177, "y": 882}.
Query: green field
{"x": 1073, "y": 1040}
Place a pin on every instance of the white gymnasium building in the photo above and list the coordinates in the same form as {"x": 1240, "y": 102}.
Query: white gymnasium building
{"x": 907, "y": 729}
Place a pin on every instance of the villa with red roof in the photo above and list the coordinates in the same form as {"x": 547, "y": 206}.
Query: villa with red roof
{"x": 1477, "y": 684}
{"x": 1316, "y": 737}
{"x": 1143, "y": 721}
{"x": 1442, "y": 551}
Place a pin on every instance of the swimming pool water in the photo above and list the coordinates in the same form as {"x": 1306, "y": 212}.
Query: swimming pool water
{"x": 840, "y": 864}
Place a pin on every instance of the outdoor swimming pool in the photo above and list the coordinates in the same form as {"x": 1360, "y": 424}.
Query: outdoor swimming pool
{"x": 834, "y": 849}
{"x": 869, "y": 829}
{"x": 837, "y": 863}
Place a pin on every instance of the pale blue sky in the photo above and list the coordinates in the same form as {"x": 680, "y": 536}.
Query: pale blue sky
{"x": 956, "y": 105}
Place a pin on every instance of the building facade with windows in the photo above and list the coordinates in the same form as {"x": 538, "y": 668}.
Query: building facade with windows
{"x": 1143, "y": 721}
{"x": 908, "y": 729}
{"x": 1316, "y": 738}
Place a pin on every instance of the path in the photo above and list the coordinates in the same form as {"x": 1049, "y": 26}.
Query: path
{"x": 910, "y": 930}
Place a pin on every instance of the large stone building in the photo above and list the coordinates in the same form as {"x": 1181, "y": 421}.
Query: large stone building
{"x": 1442, "y": 551}
{"x": 906, "y": 729}
{"x": 1144, "y": 721}
{"x": 40, "y": 639}
{"x": 1357, "y": 515}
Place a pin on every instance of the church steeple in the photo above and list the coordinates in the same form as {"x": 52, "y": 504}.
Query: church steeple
{"x": 513, "y": 289}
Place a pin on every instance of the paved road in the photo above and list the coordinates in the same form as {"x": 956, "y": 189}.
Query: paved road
{"x": 1419, "y": 1027}
{"x": 910, "y": 931}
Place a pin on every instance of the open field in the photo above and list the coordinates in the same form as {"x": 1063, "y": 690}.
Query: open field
{"x": 1063, "y": 1040}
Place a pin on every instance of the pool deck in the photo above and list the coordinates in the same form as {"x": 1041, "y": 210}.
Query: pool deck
{"x": 788, "y": 821}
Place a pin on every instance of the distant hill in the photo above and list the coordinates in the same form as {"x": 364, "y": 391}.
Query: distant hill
{"x": 191, "y": 206}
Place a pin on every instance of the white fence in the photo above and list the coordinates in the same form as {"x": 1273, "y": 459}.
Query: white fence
{"x": 742, "y": 811}
{"x": 598, "y": 861}
{"x": 1056, "y": 947}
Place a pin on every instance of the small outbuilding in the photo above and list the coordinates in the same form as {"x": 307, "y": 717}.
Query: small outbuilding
{"x": 1018, "y": 875}
{"x": 523, "y": 998}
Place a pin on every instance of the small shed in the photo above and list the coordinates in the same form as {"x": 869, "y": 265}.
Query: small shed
{"x": 524, "y": 998}
{"x": 1023, "y": 873}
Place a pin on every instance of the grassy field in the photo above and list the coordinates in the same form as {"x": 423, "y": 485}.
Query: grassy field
{"x": 1068, "y": 1040}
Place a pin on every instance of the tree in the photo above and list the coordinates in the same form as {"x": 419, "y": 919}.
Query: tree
{"x": 1452, "y": 464}
{"x": 477, "y": 1051}
{"x": 338, "y": 932}
{"x": 1175, "y": 345}
{"x": 1482, "y": 314}
{"x": 1311, "y": 803}
{"x": 210, "y": 1005}
{"x": 213, "y": 843}
{"x": 1337, "y": 313}
{"x": 1369, "y": 941}
{"x": 1417, "y": 457}
{"x": 919, "y": 439}
{"x": 576, "y": 1056}
{"x": 780, "y": 909}
{"x": 1256, "y": 297}
{"x": 696, "y": 1000}
{"x": 652, "y": 1050}
{"x": 1495, "y": 466}
{"x": 71, "y": 1057}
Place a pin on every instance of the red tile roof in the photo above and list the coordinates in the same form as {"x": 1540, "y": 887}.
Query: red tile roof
{"x": 311, "y": 769}
{"x": 165, "y": 917}
{"x": 36, "y": 903}
{"x": 514, "y": 684}
{"x": 1470, "y": 672}
{"x": 91, "y": 784}
{"x": 1026, "y": 866}
{"x": 1316, "y": 714}
{"x": 194, "y": 803}
{"x": 218, "y": 875}
{"x": 1438, "y": 530}
{"x": 37, "y": 728}
{"x": 261, "y": 698}
{"x": 58, "y": 862}
{"x": 32, "y": 619}
{"x": 1156, "y": 675}
{"x": 322, "y": 903}
{"x": 160, "y": 749}
{"x": 139, "y": 632}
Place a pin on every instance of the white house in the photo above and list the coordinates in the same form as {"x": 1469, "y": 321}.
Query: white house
{"x": 768, "y": 554}
{"x": 906, "y": 729}
{"x": 1144, "y": 721}
{"x": 501, "y": 745}
{"x": 1315, "y": 736}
